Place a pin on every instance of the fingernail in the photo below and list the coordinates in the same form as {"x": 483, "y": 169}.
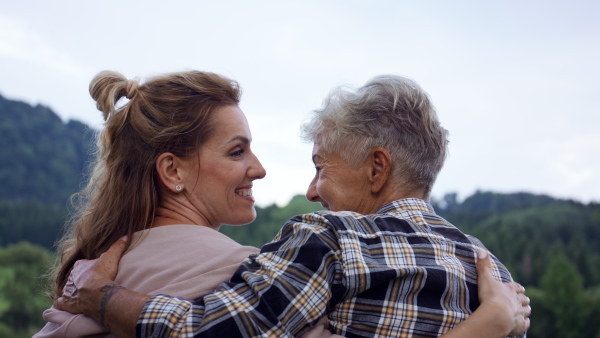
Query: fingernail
{"x": 481, "y": 253}
{"x": 124, "y": 238}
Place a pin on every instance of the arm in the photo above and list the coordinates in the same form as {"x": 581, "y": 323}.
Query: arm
{"x": 278, "y": 293}
{"x": 504, "y": 308}
{"x": 90, "y": 290}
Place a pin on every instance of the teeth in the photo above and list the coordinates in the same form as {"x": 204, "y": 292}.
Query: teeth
{"x": 244, "y": 192}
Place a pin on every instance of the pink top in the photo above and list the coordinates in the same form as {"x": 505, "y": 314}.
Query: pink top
{"x": 181, "y": 260}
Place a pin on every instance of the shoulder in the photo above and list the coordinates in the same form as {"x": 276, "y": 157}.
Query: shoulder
{"x": 499, "y": 271}
{"x": 178, "y": 254}
{"x": 322, "y": 223}
{"x": 183, "y": 237}
{"x": 329, "y": 227}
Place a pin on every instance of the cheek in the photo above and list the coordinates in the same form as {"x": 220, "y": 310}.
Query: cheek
{"x": 326, "y": 188}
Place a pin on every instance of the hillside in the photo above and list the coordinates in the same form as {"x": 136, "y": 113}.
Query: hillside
{"x": 42, "y": 158}
{"x": 42, "y": 162}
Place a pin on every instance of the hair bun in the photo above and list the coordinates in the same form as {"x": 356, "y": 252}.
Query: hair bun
{"x": 131, "y": 88}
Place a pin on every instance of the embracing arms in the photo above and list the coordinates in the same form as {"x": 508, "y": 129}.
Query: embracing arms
{"x": 90, "y": 290}
{"x": 504, "y": 308}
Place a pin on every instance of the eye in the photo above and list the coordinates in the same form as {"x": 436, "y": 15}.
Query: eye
{"x": 237, "y": 153}
{"x": 317, "y": 168}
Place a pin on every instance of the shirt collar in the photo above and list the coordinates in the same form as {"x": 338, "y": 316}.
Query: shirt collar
{"x": 406, "y": 204}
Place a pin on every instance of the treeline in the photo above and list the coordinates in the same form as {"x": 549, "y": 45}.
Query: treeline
{"x": 268, "y": 221}
{"x": 42, "y": 163}
{"x": 551, "y": 246}
{"x": 41, "y": 158}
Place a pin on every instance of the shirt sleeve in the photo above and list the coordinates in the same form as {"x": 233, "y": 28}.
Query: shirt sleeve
{"x": 277, "y": 292}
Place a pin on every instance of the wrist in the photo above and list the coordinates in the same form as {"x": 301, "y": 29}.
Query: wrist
{"x": 92, "y": 295}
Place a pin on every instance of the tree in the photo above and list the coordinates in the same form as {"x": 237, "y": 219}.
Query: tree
{"x": 22, "y": 267}
{"x": 564, "y": 295}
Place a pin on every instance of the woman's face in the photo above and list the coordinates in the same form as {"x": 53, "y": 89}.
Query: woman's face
{"x": 225, "y": 170}
{"x": 337, "y": 185}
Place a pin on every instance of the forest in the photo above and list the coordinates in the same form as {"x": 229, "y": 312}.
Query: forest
{"x": 550, "y": 245}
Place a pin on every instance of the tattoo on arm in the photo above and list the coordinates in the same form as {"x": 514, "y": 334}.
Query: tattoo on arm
{"x": 109, "y": 290}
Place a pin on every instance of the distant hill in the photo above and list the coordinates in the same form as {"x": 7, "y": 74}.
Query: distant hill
{"x": 42, "y": 158}
{"x": 42, "y": 163}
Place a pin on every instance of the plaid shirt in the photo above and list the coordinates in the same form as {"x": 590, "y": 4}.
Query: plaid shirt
{"x": 402, "y": 272}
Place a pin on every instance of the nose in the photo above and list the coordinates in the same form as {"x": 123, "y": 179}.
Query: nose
{"x": 257, "y": 171}
{"x": 311, "y": 193}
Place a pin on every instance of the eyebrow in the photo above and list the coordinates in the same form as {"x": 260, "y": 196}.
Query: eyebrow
{"x": 243, "y": 139}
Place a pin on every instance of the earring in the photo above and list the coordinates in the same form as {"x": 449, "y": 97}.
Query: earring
{"x": 178, "y": 187}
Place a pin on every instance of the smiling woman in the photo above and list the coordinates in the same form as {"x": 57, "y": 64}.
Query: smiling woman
{"x": 174, "y": 163}
{"x": 218, "y": 188}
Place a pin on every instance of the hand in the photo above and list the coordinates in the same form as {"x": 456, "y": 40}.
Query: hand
{"x": 508, "y": 299}
{"x": 87, "y": 276}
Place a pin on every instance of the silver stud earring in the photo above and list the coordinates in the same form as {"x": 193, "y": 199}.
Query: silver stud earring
{"x": 178, "y": 187}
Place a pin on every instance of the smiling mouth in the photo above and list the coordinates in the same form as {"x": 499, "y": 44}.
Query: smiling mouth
{"x": 244, "y": 192}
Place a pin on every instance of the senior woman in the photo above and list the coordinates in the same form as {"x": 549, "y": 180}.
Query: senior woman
{"x": 387, "y": 266}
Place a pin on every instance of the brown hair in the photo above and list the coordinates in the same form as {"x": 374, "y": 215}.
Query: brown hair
{"x": 167, "y": 113}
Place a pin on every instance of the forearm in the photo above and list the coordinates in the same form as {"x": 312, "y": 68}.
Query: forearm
{"x": 115, "y": 307}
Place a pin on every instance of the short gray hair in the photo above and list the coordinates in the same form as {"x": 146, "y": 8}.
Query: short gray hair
{"x": 391, "y": 112}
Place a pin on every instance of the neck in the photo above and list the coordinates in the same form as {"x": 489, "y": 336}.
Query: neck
{"x": 169, "y": 216}
{"x": 399, "y": 193}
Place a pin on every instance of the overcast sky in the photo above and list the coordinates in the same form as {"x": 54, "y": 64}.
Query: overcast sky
{"x": 517, "y": 83}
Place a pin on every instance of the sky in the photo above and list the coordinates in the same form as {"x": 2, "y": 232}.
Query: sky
{"x": 516, "y": 83}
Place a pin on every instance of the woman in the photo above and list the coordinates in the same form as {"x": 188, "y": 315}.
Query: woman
{"x": 150, "y": 182}
{"x": 174, "y": 164}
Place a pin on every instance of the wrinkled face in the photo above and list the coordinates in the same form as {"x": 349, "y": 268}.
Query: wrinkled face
{"x": 338, "y": 186}
{"x": 224, "y": 173}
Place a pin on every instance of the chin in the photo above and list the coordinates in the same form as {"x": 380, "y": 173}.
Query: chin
{"x": 245, "y": 219}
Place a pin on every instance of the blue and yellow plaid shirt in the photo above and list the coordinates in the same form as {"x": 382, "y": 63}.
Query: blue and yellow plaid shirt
{"x": 401, "y": 272}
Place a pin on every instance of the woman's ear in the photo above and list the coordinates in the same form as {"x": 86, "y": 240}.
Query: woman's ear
{"x": 170, "y": 171}
{"x": 381, "y": 166}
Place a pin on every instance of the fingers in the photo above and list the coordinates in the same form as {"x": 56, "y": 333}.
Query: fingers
{"x": 520, "y": 291}
{"x": 484, "y": 263}
{"x": 522, "y": 322}
{"x": 525, "y": 309}
{"x": 525, "y": 300}
{"x": 518, "y": 287}
{"x": 511, "y": 303}
{"x": 69, "y": 288}
{"x": 61, "y": 303}
{"x": 116, "y": 250}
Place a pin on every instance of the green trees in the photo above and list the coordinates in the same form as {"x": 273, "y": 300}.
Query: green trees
{"x": 563, "y": 308}
{"x": 42, "y": 158}
{"x": 269, "y": 221}
{"x": 22, "y": 288}
{"x": 551, "y": 246}
{"x": 563, "y": 295}
{"x": 42, "y": 162}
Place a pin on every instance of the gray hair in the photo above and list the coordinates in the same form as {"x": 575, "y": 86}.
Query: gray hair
{"x": 391, "y": 112}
